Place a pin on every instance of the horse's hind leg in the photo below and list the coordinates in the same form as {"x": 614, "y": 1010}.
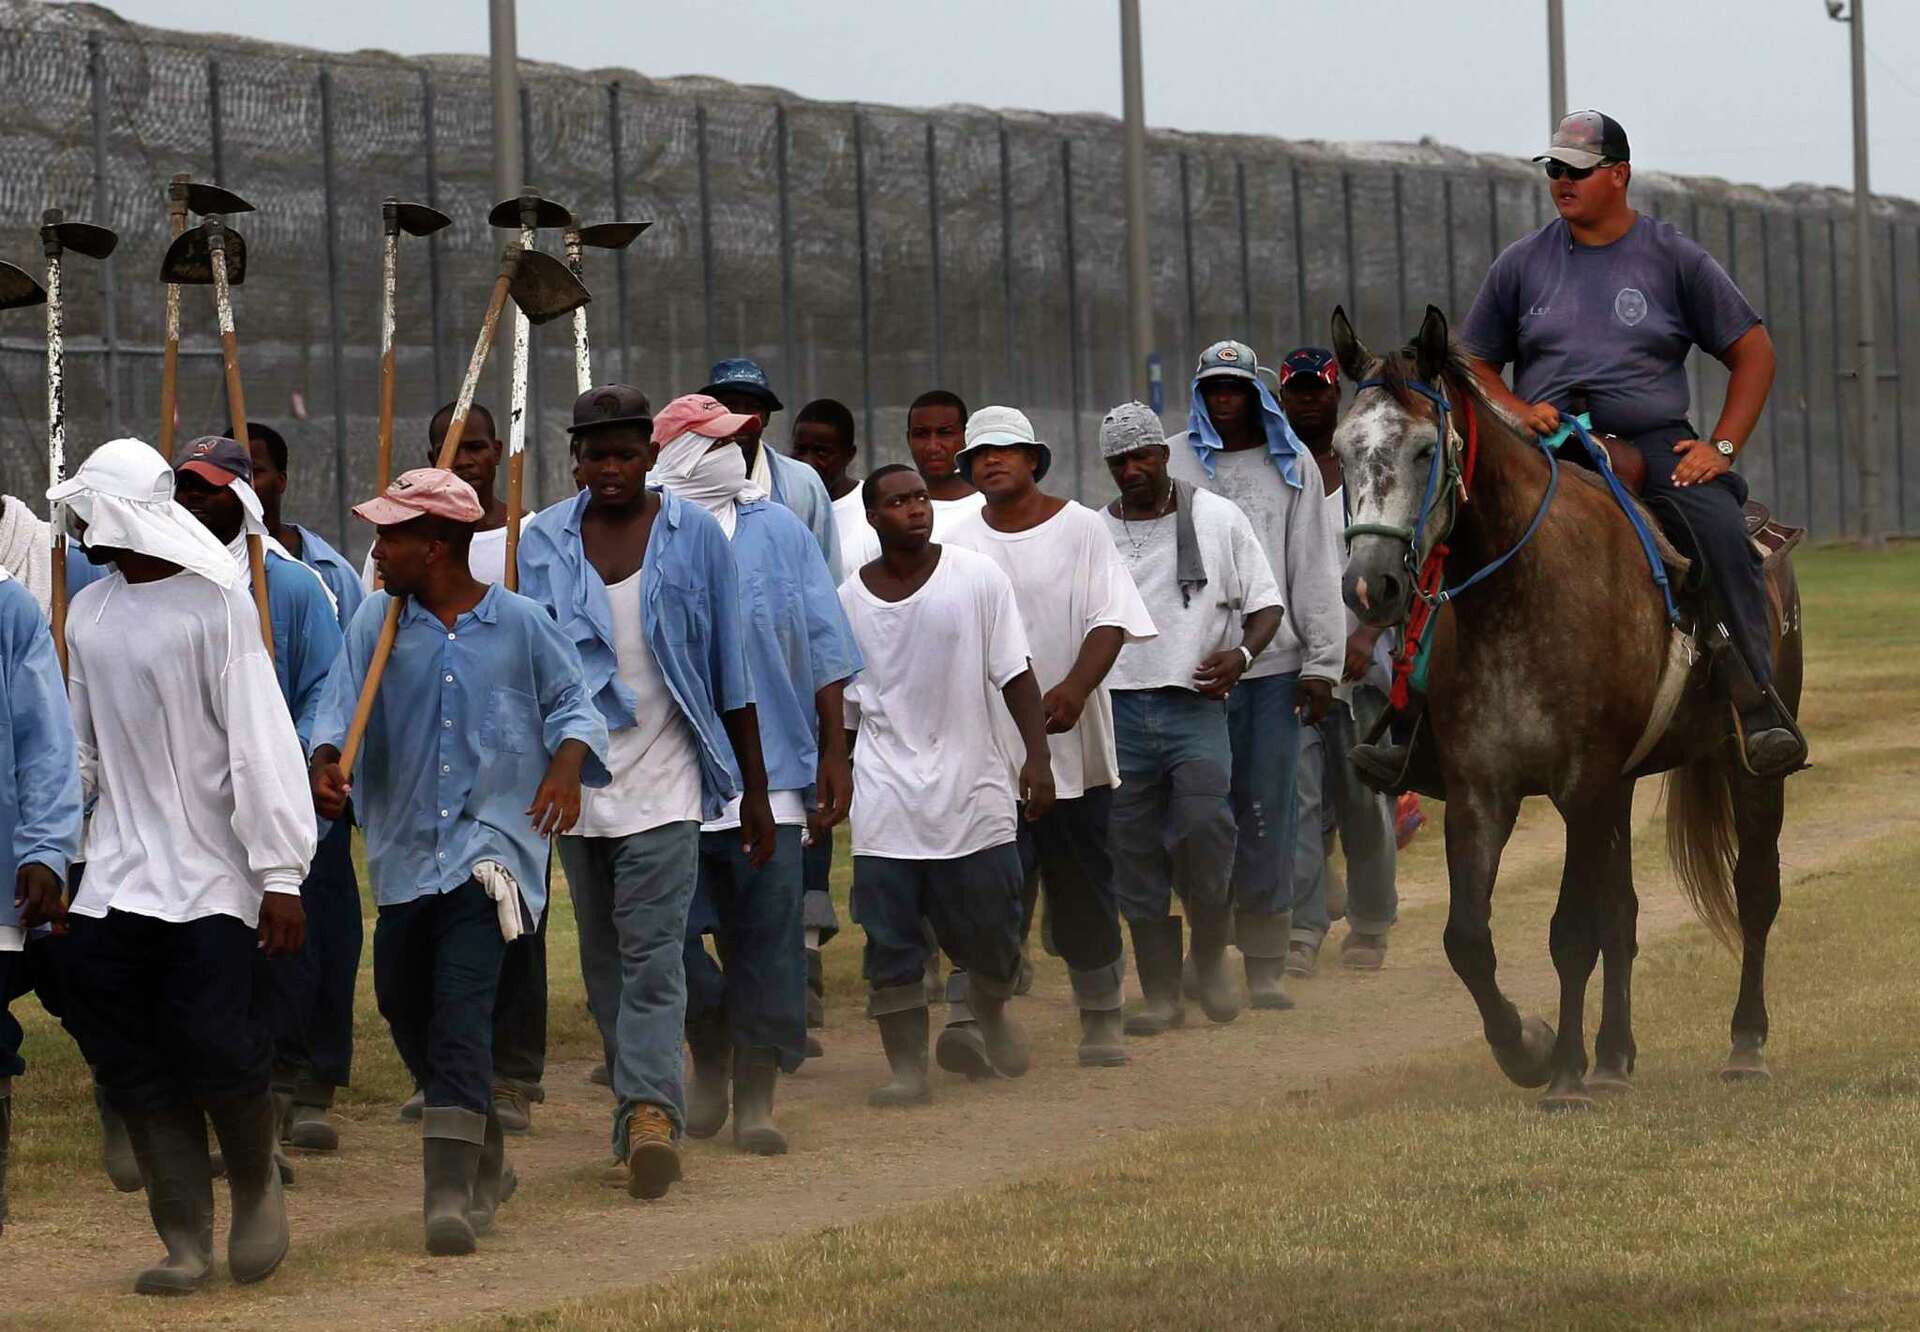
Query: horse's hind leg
{"x": 1613, "y": 1048}
{"x": 1759, "y": 808}
{"x": 1478, "y": 825}
{"x": 1596, "y": 853}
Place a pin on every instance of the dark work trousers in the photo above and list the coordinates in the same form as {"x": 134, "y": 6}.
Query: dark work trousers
{"x": 309, "y": 995}
{"x": 1070, "y": 845}
{"x": 816, "y": 862}
{"x": 520, "y": 1011}
{"x": 759, "y": 983}
{"x": 436, "y": 974}
{"x": 972, "y": 903}
{"x": 165, "y": 1012}
{"x": 36, "y": 970}
{"x": 1714, "y": 530}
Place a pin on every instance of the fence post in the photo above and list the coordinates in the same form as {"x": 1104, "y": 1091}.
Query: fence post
{"x": 1400, "y": 251}
{"x": 1806, "y": 361}
{"x": 706, "y": 229}
{"x": 1073, "y": 302}
{"x": 1006, "y": 262}
{"x": 1299, "y": 253}
{"x": 1446, "y": 208}
{"x": 1246, "y": 251}
{"x": 866, "y": 295}
{"x": 1346, "y": 227}
{"x": 1493, "y": 219}
{"x": 433, "y": 241}
{"x": 780, "y": 162}
{"x": 1899, "y": 388}
{"x": 1841, "y": 448}
{"x": 623, "y": 316}
{"x": 335, "y": 352}
{"x": 1766, "y": 300}
{"x": 1186, "y": 253}
{"x": 216, "y": 121}
{"x": 103, "y": 213}
{"x": 933, "y": 251}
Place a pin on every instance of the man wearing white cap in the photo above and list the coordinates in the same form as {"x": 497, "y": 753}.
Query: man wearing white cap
{"x": 201, "y": 834}
{"x": 1207, "y": 583}
{"x": 1079, "y": 606}
{"x": 1239, "y": 445}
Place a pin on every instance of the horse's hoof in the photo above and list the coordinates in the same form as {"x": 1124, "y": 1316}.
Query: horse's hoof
{"x": 1564, "y": 1100}
{"x": 1746, "y": 1063}
{"x": 1604, "y": 1081}
{"x": 1527, "y": 1062}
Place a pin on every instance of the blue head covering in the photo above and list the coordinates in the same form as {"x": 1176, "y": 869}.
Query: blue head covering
{"x": 1235, "y": 360}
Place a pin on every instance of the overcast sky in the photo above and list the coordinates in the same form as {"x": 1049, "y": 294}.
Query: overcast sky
{"x": 1753, "y": 90}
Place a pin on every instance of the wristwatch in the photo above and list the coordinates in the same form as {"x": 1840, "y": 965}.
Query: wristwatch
{"x": 1247, "y": 654}
{"x": 1726, "y": 447}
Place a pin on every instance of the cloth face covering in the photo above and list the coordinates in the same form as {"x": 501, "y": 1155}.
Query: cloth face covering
{"x": 714, "y": 478}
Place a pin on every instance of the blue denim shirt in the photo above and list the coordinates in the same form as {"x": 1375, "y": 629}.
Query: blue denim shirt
{"x": 799, "y": 487}
{"x": 341, "y": 578}
{"x": 39, "y": 770}
{"x": 797, "y": 635}
{"x": 690, "y": 612}
{"x": 306, "y": 639}
{"x": 461, "y": 734}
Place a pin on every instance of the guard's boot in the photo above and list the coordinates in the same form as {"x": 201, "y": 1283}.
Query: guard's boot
{"x": 816, "y": 992}
{"x": 707, "y": 1093}
{"x": 450, "y": 1151}
{"x": 494, "y": 1180}
{"x": 1103, "y": 1041}
{"x": 1771, "y": 746}
{"x": 1382, "y": 766}
{"x": 257, "y": 1236}
{"x": 6, "y": 1144}
{"x": 169, "y": 1147}
{"x": 904, "y": 1037}
{"x": 1156, "y": 960}
{"x": 1212, "y": 979}
{"x": 1006, "y": 1043}
{"x": 755, "y": 1073}
{"x": 653, "y": 1158}
{"x": 116, "y": 1151}
{"x": 306, "y": 1124}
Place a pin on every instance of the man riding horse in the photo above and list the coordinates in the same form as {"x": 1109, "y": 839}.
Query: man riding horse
{"x": 1604, "y": 304}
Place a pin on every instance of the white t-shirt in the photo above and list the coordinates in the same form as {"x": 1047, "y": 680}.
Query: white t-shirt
{"x": 655, "y": 763}
{"x": 486, "y": 559}
{"x": 1068, "y": 581}
{"x": 859, "y": 545}
{"x": 203, "y": 802}
{"x": 850, "y": 524}
{"x": 1239, "y": 582}
{"x": 932, "y": 774}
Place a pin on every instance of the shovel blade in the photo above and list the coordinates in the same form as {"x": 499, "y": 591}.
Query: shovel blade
{"x": 612, "y": 235}
{"x": 189, "y": 261}
{"x": 83, "y": 238}
{"x": 546, "y": 213}
{"x": 203, "y": 198}
{"x": 416, "y": 219}
{"x": 18, "y": 289}
{"x": 544, "y": 288}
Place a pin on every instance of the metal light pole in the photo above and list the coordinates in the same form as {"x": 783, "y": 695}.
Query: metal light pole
{"x": 1139, "y": 278}
{"x": 1556, "y": 62}
{"x": 1868, "y": 451}
{"x": 503, "y": 46}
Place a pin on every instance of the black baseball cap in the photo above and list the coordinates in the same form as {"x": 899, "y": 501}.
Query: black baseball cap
{"x": 1315, "y": 362}
{"x": 1585, "y": 139}
{"x": 611, "y": 405}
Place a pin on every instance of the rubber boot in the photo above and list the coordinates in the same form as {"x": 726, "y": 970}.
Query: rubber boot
{"x": 1103, "y": 1042}
{"x": 170, "y": 1150}
{"x": 411, "y": 1107}
{"x": 450, "y": 1150}
{"x": 904, "y": 1037}
{"x": 961, "y": 1048}
{"x": 493, "y": 1181}
{"x": 1212, "y": 979}
{"x": 1156, "y": 960}
{"x": 306, "y": 1125}
{"x": 282, "y": 1116}
{"x": 1006, "y": 1042}
{"x": 257, "y": 1237}
{"x": 116, "y": 1151}
{"x": 755, "y": 1072}
{"x": 1266, "y": 983}
{"x": 712, "y": 1050}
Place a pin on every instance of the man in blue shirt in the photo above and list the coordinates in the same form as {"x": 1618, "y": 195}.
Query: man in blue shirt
{"x": 478, "y": 744}
{"x": 644, "y": 585}
{"x": 39, "y": 820}
{"x": 270, "y": 462}
{"x": 748, "y": 1019}
{"x": 740, "y": 385}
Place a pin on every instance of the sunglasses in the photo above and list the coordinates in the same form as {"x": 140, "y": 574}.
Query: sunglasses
{"x": 1560, "y": 170}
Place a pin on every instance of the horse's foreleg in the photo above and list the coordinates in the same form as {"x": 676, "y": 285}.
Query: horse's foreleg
{"x": 1759, "y": 807}
{"x": 1590, "y": 882}
{"x": 1478, "y": 825}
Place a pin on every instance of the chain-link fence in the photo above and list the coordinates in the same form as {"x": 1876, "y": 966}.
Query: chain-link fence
{"x": 860, "y": 252}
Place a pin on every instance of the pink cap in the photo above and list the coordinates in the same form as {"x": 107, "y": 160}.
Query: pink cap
{"x": 700, "y": 414}
{"x": 424, "y": 490}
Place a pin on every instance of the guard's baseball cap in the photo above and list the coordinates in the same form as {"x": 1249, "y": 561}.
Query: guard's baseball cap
{"x": 218, "y": 461}
{"x": 1313, "y": 362}
{"x": 1585, "y": 139}
{"x": 422, "y": 491}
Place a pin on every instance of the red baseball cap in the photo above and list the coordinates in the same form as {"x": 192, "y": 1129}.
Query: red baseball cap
{"x": 700, "y": 414}
{"x": 422, "y": 491}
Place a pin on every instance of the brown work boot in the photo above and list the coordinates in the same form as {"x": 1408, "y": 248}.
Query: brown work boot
{"x": 1363, "y": 952}
{"x": 1303, "y": 958}
{"x": 653, "y": 1162}
{"x": 513, "y": 1107}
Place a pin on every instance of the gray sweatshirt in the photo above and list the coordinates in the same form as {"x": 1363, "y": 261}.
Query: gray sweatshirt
{"x": 1293, "y": 526}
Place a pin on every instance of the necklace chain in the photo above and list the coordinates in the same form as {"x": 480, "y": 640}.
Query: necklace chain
{"x": 1165, "y": 507}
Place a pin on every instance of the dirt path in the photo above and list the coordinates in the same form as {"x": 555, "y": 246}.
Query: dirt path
{"x": 357, "y": 1261}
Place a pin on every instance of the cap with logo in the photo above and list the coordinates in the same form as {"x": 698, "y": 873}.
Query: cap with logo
{"x": 1130, "y": 426}
{"x": 419, "y": 492}
{"x": 1227, "y": 360}
{"x": 1000, "y": 428}
{"x": 218, "y": 461}
{"x": 1585, "y": 139}
{"x": 1314, "y": 362}
{"x": 611, "y": 405}
{"x": 700, "y": 413}
{"x": 742, "y": 374}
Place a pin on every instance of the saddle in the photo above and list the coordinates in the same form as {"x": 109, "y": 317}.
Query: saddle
{"x": 1771, "y": 538}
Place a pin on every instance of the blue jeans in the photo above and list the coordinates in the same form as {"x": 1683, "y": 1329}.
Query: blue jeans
{"x": 1332, "y": 795}
{"x": 310, "y": 993}
{"x": 436, "y": 970}
{"x": 759, "y": 985}
{"x": 972, "y": 903}
{"x": 1265, "y": 733}
{"x": 630, "y": 897}
{"x": 817, "y": 869}
{"x": 1172, "y": 823}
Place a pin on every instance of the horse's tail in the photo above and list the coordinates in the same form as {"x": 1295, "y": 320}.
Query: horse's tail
{"x": 1702, "y": 844}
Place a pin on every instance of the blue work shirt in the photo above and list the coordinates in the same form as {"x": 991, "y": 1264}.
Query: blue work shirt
{"x": 341, "y": 578}
{"x": 461, "y": 733}
{"x": 799, "y": 487}
{"x": 306, "y": 639}
{"x": 39, "y": 769}
{"x": 797, "y": 637}
{"x": 689, "y": 611}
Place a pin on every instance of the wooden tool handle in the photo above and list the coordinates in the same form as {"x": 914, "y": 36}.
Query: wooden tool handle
{"x": 370, "y": 688}
{"x": 59, "y": 605}
{"x": 516, "y": 473}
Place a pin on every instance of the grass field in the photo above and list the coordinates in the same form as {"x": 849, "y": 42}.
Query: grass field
{"x": 1411, "y": 1187}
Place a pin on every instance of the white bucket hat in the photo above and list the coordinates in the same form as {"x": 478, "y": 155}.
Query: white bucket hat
{"x": 999, "y": 428}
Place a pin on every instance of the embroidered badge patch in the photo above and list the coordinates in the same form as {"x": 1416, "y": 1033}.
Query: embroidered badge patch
{"x": 1629, "y": 306}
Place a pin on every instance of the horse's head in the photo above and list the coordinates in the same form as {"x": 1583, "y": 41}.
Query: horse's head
{"x": 1399, "y": 457}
